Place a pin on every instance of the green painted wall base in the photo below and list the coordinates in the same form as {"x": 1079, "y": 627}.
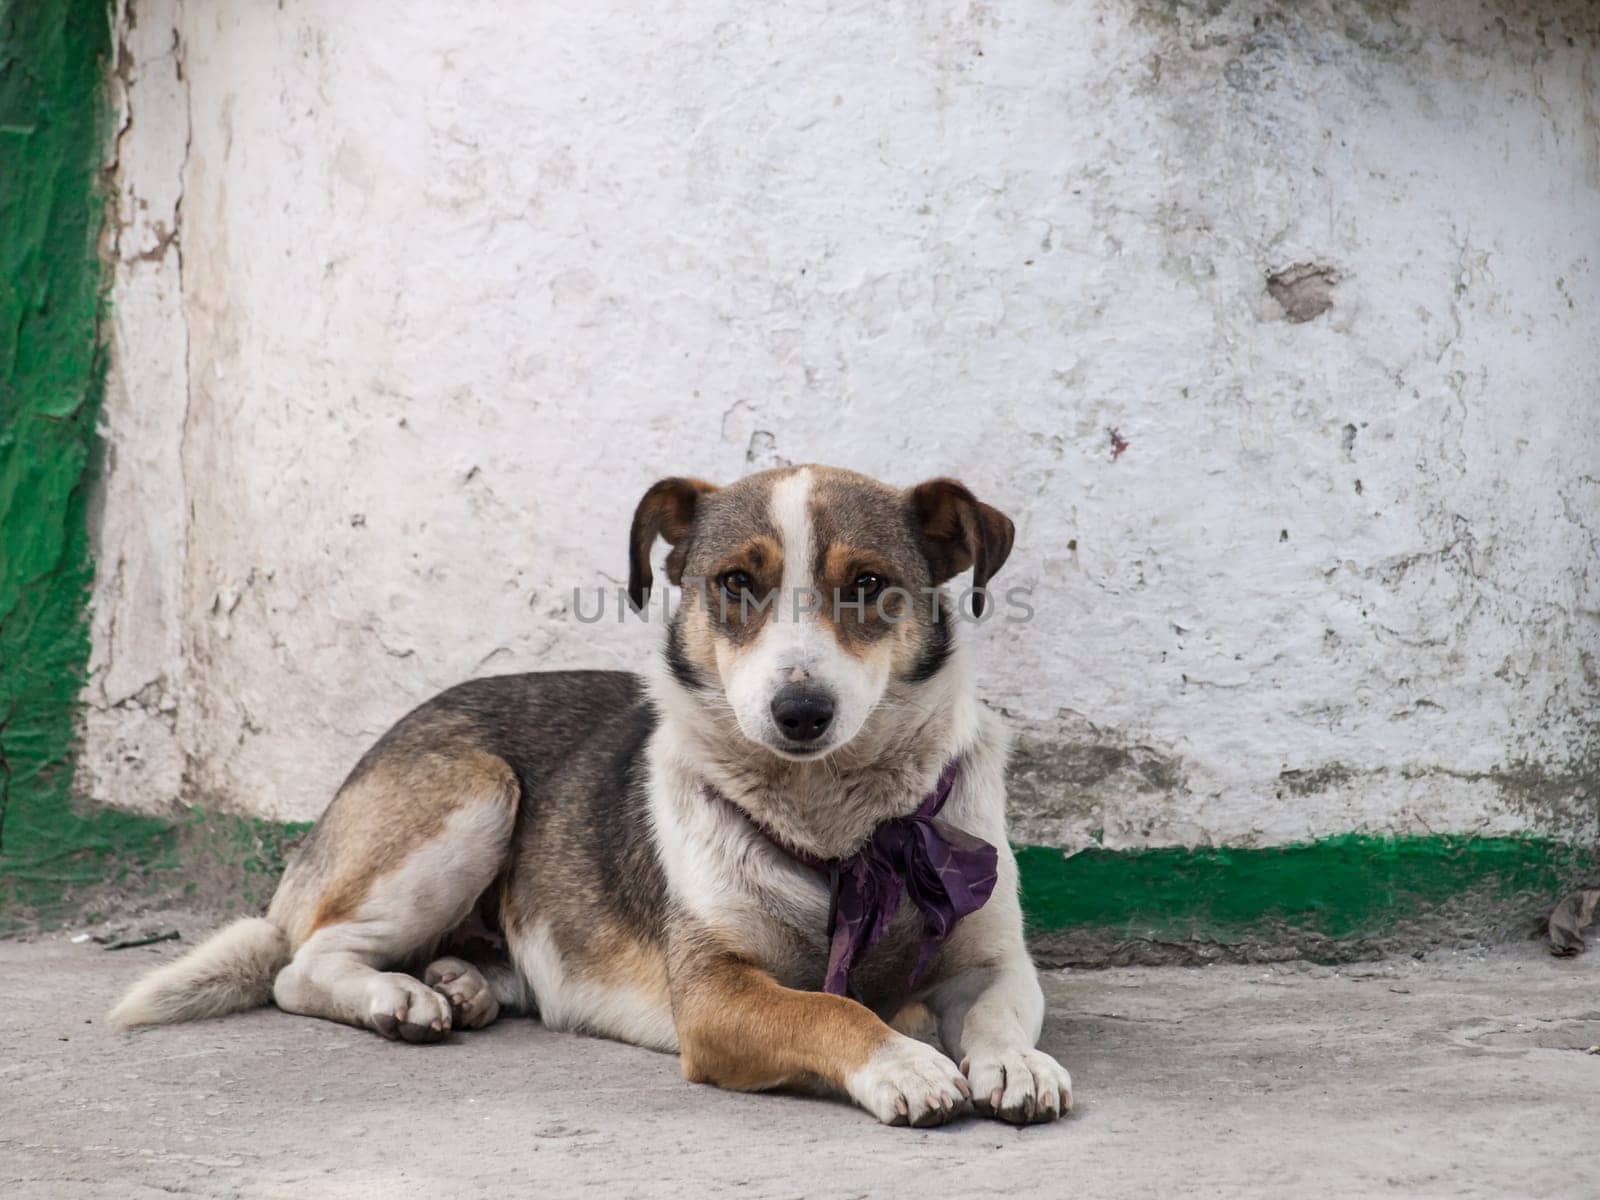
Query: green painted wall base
{"x": 87, "y": 864}
{"x": 1349, "y": 896}
{"x": 53, "y": 59}
{"x": 1345, "y": 897}
{"x": 1335, "y": 887}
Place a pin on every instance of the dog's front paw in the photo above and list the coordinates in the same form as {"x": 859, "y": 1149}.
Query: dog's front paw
{"x": 907, "y": 1082}
{"x": 1020, "y": 1086}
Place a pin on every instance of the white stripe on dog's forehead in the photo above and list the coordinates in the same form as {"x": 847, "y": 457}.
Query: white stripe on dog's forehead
{"x": 791, "y": 514}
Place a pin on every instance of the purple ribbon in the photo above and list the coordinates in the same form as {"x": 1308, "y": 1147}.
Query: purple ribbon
{"x": 946, "y": 872}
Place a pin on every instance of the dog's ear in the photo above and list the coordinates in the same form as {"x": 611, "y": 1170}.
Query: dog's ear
{"x": 667, "y": 511}
{"x": 959, "y": 531}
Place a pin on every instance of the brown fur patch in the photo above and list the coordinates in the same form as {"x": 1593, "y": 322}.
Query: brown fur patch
{"x": 841, "y": 562}
{"x": 959, "y": 531}
{"x": 737, "y": 618}
{"x": 861, "y": 622}
{"x": 698, "y": 641}
{"x": 861, "y": 525}
{"x": 733, "y": 530}
{"x": 612, "y": 956}
{"x": 667, "y": 511}
{"x": 382, "y": 816}
{"x": 738, "y": 1027}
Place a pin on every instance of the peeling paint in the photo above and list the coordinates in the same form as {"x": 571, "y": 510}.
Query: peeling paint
{"x": 134, "y": 749}
{"x": 1308, "y": 781}
{"x": 1304, "y": 291}
{"x": 1070, "y": 780}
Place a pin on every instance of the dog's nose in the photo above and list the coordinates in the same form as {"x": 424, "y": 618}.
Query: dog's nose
{"x": 802, "y": 711}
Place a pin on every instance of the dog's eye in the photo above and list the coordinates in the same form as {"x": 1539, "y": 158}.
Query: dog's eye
{"x": 735, "y": 583}
{"x": 868, "y": 586}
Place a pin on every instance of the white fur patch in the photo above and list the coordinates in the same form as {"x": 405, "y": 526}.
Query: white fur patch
{"x": 791, "y": 513}
{"x": 567, "y": 1003}
{"x": 908, "y": 1082}
{"x": 336, "y": 973}
{"x": 1019, "y": 1084}
{"x": 720, "y": 870}
{"x": 431, "y": 892}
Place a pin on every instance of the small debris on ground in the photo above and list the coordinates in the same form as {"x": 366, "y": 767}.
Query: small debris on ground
{"x": 149, "y": 939}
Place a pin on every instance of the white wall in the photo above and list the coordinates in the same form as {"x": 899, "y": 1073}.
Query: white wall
{"x": 454, "y": 282}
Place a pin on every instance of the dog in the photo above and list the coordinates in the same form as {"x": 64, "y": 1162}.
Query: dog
{"x": 793, "y": 829}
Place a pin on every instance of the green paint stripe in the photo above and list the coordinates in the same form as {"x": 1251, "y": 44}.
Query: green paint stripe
{"x": 52, "y": 367}
{"x": 1353, "y": 885}
{"x": 215, "y": 860}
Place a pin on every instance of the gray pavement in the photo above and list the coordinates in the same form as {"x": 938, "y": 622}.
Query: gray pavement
{"x": 1458, "y": 1075}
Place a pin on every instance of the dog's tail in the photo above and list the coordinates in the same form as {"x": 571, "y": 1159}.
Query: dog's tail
{"x": 231, "y": 970}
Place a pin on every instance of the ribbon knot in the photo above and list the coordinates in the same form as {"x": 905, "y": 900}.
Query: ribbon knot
{"x": 946, "y": 872}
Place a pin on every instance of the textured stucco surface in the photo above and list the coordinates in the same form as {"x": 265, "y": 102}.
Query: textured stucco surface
{"x": 410, "y": 308}
{"x": 132, "y": 748}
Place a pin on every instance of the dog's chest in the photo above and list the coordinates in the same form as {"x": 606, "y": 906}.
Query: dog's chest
{"x": 734, "y": 877}
{"x": 797, "y": 947}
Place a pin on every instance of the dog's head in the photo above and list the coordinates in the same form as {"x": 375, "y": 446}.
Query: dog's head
{"x": 808, "y": 591}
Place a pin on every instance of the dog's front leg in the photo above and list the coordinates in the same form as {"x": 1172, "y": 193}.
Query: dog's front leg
{"x": 738, "y": 1027}
{"x": 990, "y": 1018}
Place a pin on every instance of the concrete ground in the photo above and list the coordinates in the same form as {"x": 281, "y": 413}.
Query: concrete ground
{"x": 1458, "y": 1075}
